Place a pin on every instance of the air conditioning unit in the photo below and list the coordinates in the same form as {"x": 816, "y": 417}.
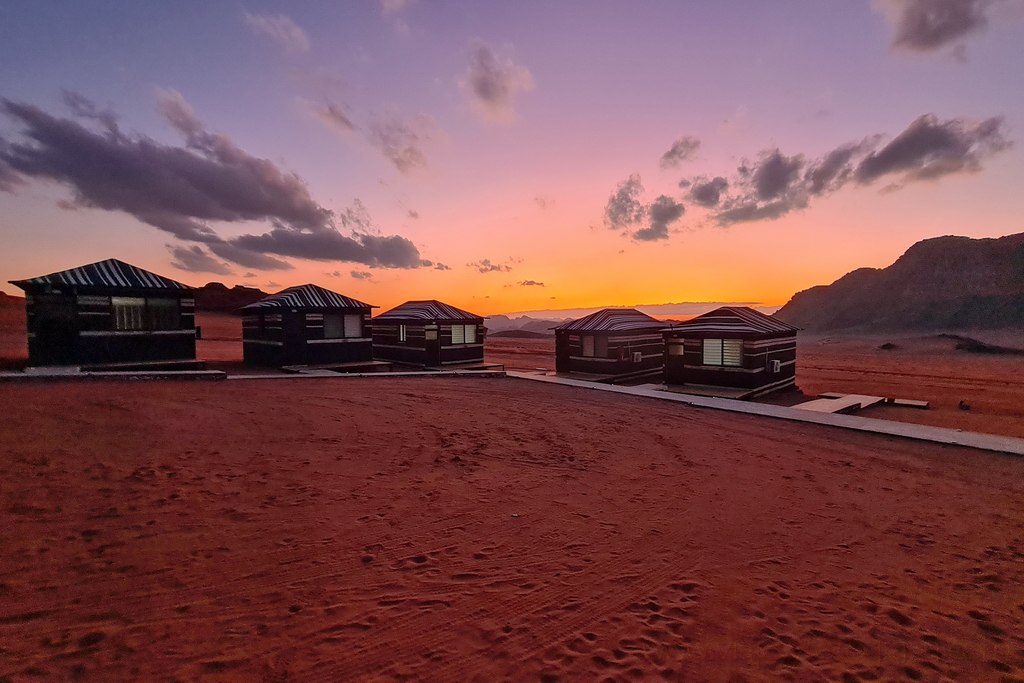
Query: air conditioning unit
{"x": 637, "y": 357}
{"x": 775, "y": 366}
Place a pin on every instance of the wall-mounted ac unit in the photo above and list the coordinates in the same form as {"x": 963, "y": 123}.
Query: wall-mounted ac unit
{"x": 637, "y": 357}
{"x": 775, "y": 366}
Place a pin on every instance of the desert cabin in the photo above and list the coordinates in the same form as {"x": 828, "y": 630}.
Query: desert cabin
{"x": 734, "y": 347}
{"x": 612, "y": 341}
{"x": 107, "y": 313}
{"x": 306, "y": 325}
{"x": 428, "y": 333}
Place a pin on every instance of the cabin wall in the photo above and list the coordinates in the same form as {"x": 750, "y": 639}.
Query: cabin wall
{"x": 70, "y": 328}
{"x": 615, "y": 355}
{"x": 286, "y": 337}
{"x": 426, "y": 344}
{"x": 684, "y": 362}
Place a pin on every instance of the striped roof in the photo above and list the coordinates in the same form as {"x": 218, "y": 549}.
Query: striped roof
{"x": 306, "y": 296}
{"x": 427, "y": 310}
{"x": 110, "y": 273}
{"x": 740, "y": 319}
{"x": 613, "y": 320}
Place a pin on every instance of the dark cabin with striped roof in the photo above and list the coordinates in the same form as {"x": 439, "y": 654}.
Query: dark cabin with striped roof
{"x": 613, "y": 341}
{"x": 428, "y": 334}
{"x": 732, "y": 346}
{"x": 108, "y": 312}
{"x": 306, "y": 325}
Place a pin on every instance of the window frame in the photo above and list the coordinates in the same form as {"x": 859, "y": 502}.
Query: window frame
{"x": 709, "y": 345}
{"x": 145, "y": 314}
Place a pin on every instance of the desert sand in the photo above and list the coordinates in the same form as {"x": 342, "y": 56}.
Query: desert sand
{"x": 489, "y": 529}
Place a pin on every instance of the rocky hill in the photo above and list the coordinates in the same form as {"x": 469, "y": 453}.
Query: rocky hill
{"x": 939, "y": 283}
{"x": 215, "y": 296}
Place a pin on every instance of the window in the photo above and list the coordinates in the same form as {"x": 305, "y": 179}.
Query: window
{"x": 353, "y": 326}
{"x": 162, "y": 314}
{"x": 463, "y": 334}
{"x": 401, "y": 333}
{"x": 601, "y": 346}
{"x": 333, "y": 326}
{"x": 588, "y": 345}
{"x": 675, "y": 348}
{"x": 129, "y": 312}
{"x": 726, "y": 352}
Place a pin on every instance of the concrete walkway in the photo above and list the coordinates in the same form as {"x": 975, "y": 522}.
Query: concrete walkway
{"x": 953, "y": 437}
{"x": 321, "y": 374}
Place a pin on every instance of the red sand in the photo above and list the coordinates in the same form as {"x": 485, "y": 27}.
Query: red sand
{"x": 925, "y": 368}
{"x": 471, "y": 529}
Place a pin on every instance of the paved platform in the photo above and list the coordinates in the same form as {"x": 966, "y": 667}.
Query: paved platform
{"x": 942, "y": 435}
{"x": 122, "y": 376}
{"x": 846, "y": 403}
{"x": 321, "y": 374}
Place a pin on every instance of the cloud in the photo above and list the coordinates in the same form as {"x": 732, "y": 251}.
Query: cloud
{"x": 181, "y": 190}
{"x": 195, "y": 260}
{"x": 929, "y": 149}
{"x": 833, "y": 170}
{"x": 272, "y": 285}
{"x": 332, "y": 116}
{"x": 486, "y": 266}
{"x": 531, "y": 283}
{"x": 391, "y": 251}
{"x": 361, "y": 275}
{"x": 279, "y": 29}
{"x": 775, "y": 174}
{"x": 929, "y": 25}
{"x": 401, "y": 142}
{"x": 708, "y": 193}
{"x": 493, "y": 85}
{"x": 683, "y": 149}
{"x": 441, "y": 266}
{"x": 249, "y": 275}
{"x": 390, "y": 7}
{"x": 662, "y": 212}
{"x": 544, "y": 202}
{"x": 412, "y": 213}
{"x": 624, "y": 208}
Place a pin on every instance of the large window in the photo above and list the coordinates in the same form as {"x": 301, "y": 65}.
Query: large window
{"x": 129, "y": 312}
{"x": 135, "y": 313}
{"x": 595, "y": 346}
{"x": 402, "y": 334}
{"x": 337, "y": 326}
{"x": 463, "y": 334}
{"x": 726, "y": 352}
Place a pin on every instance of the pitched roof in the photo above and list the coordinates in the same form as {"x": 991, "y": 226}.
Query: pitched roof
{"x": 613, "y": 320}
{"x": 740, "y": 319}
{"x": 427, "y": 310}
{"x": 108, "y": 273}
{"x": 306, "y": 296}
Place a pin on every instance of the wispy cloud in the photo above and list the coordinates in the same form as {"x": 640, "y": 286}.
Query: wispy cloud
{"x": 195, "y": 260}
{"x": 493, "y": 84}
{"x": 930, "y": 25}
{"x": 683, "y": 149}
{"x": 488, "y": 266}
{"x": 279, "y": 29}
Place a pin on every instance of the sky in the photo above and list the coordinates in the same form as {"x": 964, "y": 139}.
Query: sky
{"x": 506, "y": 157}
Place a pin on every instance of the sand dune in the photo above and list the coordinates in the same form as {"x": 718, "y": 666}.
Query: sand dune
{"x": 489, "y": 530}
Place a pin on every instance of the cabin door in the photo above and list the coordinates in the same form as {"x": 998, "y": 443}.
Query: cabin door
{"x": 56, "y": 328}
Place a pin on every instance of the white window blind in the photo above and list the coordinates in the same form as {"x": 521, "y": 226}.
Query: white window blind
{"x": 732, "y": 352}
{"x": 353, "y": 326}
{"x": 458, "y": 334}
{"x": 401, "y": 333}
{"x": 471, "y": 334}
{"x": 712, "y": 352}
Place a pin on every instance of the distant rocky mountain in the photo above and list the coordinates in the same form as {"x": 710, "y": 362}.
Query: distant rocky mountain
{"x": 8, "y": 300}
{"x": 940, "y": 283}
{"x": 503, "y": 323}
{"x": 215, "y": 296}
{"x": 519, "y": 334}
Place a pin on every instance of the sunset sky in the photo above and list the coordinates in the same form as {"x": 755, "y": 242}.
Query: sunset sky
{"x": 507, "y": 156}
